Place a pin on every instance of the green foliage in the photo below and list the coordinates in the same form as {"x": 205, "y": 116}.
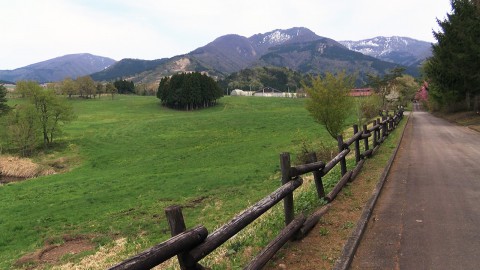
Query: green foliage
{"x": 330, "y": 103}
{"x": 23, "y": 129}
{"x": 366, "y": 108}
{"x": 188, "y": 91}
{"x": 124, "y": 87}
{"x": 69, "y": 87}
{"x": 45, "y": 114}
{"x": 255, "y": 79}
{"x": 111, "y": 89}
{"x": 384, "y": 85}
{"x": 86, "y": 86}
{"x": 453, "y": 69}
{"x": 4, "y": 108}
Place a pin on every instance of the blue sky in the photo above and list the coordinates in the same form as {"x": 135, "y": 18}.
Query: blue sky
{"x": 34, "y": 31}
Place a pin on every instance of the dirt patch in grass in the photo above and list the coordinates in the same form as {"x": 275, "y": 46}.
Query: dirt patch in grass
{"x": 53, "y": 254}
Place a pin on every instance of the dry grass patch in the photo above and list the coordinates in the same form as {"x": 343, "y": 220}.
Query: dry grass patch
{"x": 22, "y": 168}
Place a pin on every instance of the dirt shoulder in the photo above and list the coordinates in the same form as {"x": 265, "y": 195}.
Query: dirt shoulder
{"x": 469, "y": 119}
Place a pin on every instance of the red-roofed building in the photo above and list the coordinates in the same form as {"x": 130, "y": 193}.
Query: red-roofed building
{"x": 361, "y": 92}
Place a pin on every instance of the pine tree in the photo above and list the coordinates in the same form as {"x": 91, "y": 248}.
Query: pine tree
{"x": 4, "y": 108}
{"x": 453, "y": 68}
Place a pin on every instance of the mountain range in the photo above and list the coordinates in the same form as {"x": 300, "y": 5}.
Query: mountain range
{"x": 56, "y": 69}
{"x": 297, "y": 48}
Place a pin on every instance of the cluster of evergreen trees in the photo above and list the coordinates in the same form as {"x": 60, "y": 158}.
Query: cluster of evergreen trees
{"x": 189, "y": 91}
{"x": 124, "y": 87}
{"x": 453, "y": 70}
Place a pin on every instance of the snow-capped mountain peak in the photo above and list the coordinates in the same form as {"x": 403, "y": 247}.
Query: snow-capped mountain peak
{"x": 395, "y": 49}
{"x": 276, "y": 37}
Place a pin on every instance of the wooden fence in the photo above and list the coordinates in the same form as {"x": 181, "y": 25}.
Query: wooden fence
{"x": 190, "y": 246}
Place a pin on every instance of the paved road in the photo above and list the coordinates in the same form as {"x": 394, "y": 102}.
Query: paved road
{"x": 428, "y": 214}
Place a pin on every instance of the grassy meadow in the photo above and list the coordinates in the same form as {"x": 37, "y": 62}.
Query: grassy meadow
{"x": 134, "y": 158}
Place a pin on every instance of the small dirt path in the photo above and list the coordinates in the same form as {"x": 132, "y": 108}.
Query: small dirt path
{"x": 428, "y": 214}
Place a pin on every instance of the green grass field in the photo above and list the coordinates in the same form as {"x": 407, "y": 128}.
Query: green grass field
{"x": 136, "y": 158}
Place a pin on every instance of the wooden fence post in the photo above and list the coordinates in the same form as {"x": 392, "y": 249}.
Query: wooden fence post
{"x": 317, "y": 176}
{"x": 365, "y": 140}
{"x": 384, "y": 127}
{"x": 288, "y": 200}
{"x": 343, "y": 162}
{"x": 177, "y": 226}
{"x": 357, "y": 145}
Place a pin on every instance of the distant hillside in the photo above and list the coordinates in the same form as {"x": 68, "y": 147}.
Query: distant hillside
{"x": 401, "y": 50}
{"x": 127, "y": 68}
{"x": 72, "y": 65}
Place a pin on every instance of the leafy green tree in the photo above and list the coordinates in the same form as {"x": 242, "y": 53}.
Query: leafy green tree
{"x": 24, "y": 88}
{"x": 367, "y": 108}
{"x": 110, "y": 89}
{"x": 69, "y": 87}
{"x": 86, "y": 86}
{"x": 23, "y": 129}
{"x": 452, "y": 70}
{"x": 4, "y": 108}
{"x": 100, "y": 89}
{"x": 330, "y": 103}
{"x": 52, "y": 112}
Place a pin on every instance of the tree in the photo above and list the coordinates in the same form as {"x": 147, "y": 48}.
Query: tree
{"x": 4, "y": 108}
{"x": 452, "y": 71}
{"x": 330, "y": 102}
{"x": 86, "y": 86}
{"x": 24, "y": 88}
{"x": 110, "y": 89}
{"x": 188, "y": 91}
{"x": 69, "y": 87}
{"x": 124, "y": 87}
{"x": 22, "y": 128}
{"x": 100, "y": 89}
{"x": 52, "y": 112}
{"x": 386, "y": 84}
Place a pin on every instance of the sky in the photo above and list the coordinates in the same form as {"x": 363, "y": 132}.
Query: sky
{"x": 37, "y": 30}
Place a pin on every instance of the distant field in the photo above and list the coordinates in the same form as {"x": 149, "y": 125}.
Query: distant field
{"x": 138, "y": 158}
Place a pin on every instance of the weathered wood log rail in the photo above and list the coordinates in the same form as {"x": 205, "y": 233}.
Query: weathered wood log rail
{"x": 190, "y": 246}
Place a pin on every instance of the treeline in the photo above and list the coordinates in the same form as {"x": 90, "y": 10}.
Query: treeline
{"x": 254, "y": 79}
{"x": 188, "y": 91}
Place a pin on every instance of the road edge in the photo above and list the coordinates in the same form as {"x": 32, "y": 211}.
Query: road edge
{"x": 349, "y": 249}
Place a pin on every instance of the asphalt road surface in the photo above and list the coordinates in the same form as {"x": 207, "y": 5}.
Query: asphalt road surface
{"x": 428, "y": 213}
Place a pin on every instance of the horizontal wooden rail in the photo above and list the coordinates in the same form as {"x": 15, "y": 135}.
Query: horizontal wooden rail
{"x": 164, "y": 251}
{"x": 306, "y": 168}
{"x": 267, "y": 253}
{"x": 222, "y": 234}
{"x": 334, "y": 161}
{"x": 355, "y": 137}
{"x": 338, "y": 187}
{"x": 312, "y": 220}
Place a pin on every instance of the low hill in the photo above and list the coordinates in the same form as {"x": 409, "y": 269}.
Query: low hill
{"x": 127, "y": 68}
{"x": 57, "y": 69}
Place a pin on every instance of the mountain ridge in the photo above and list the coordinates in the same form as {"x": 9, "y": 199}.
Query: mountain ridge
{"x": 58, "y": 68}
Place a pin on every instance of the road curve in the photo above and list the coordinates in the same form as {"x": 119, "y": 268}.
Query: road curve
{"x": 428, "y": 213}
